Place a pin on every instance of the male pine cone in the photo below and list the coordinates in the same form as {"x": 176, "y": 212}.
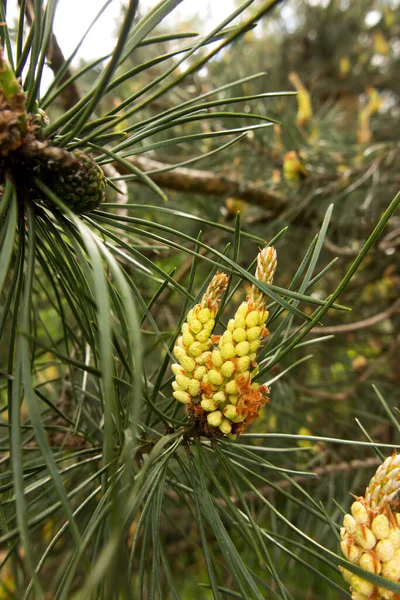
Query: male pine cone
{"x": 371, "y": 534}
{"x": 214, "y": 377}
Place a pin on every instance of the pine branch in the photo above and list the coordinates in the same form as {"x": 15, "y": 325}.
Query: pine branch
{"x": 208, "y": 183}
{"x": 365, "y": 323}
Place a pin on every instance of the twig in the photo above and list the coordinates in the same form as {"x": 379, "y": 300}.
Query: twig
{"x": 390, "y": 241}
{"x": 394, "y": 308}
{"x": 340, "y": 250}
{"x": 266, "y": 491}
{"x": 196, "y": 181}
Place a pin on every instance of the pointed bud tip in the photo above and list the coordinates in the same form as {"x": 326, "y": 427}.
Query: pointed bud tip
{"x": 215, "y": 289}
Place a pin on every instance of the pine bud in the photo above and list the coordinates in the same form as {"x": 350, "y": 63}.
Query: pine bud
{"x": 293, "y": 168}
{"x": 265, "y": 271}
{"x": 209, "y": 405}
{"x": 225, "y": 426}
{"x": 181, "y": 396}
{"x": 304, "y": 112}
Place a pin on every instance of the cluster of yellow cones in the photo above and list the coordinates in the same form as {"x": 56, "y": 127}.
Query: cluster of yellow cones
{"x": 214, "y": 375}
{"x": 371, "y": 534}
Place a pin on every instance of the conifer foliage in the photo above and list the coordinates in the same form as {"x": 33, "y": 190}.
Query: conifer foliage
{"x": 120, "y": 480}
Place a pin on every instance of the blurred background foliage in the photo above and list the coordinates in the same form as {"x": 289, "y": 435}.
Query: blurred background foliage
{"x": 335, "y": 142}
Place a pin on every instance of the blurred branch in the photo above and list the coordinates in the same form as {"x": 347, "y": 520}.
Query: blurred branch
{"x": 205, "y": 182}
{"x": 70, "y": 95}
{"x": 340, "y": 250}
{"x": 284, "y": 484}
{"x": 55, "y": 58}
{"x": 390, "y": 241}
{"x": 343, "y": 467}
{"x": 394, "y": 308}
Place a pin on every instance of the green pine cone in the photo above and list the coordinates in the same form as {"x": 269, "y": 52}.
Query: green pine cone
{"x": 80, "y": 184}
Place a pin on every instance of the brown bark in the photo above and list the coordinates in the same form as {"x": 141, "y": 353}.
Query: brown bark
{"x": 70, "y": 95}
{"x": 365, "y": 323}
{"x": 195, "y": 181}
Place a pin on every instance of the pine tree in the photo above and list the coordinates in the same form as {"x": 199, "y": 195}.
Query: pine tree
{"x": 140, "y": 458}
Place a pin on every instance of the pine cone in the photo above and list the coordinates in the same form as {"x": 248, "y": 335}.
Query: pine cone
{"x": 80, "y": 184}
{"x": 72, "y": 176}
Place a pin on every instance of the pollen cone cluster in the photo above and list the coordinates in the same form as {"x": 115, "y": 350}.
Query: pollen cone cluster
{"x": 371, "y": 534}
{"x": 214, "y": 377}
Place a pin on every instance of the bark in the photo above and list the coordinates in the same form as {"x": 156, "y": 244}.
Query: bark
{"x": 195, "y": 181}
{"x": 70, "y": 95}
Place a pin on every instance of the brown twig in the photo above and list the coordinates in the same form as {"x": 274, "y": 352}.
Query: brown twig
{"x": 365, "y": 323}
{"x": 266, "y": 491}
{"x": 196, "y": 181}
{"x": 283, "y": 484}
{"x": 340, "y": 250}
{"x": 390, "y": 241}
{"x": 70, "y": 94}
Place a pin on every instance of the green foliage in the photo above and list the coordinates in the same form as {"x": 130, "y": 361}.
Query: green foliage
{"x": 106, "y": 489}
